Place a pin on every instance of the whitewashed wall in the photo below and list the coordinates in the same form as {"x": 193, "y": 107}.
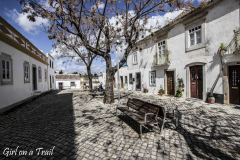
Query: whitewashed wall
{"x": 10, "y": 94}
{"x": 66, "y": 84}
{"x": 219, "y": 24}
{"x": 51, "y": 72}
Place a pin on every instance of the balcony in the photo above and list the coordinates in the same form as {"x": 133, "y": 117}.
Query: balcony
{"x": 161, "y": 59}
{"x": 234, "y": 45}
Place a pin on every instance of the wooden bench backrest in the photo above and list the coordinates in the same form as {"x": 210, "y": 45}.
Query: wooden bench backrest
{"x": 149, "y": 108}
{"x": 142, "y": 107}
{"x": 135, "y": 104}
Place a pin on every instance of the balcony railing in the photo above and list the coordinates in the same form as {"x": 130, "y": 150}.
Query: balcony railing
{"x": 161, "y": 59}
{"x": 234, "y": 45}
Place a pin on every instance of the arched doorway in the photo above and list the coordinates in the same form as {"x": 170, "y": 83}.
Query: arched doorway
{"x": 196, "y": 81}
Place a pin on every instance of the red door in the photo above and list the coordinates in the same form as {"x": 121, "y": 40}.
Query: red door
{"x": 170, "y": 83}
{"x": 196, "y": 81}
{"x": 234, "y": 84}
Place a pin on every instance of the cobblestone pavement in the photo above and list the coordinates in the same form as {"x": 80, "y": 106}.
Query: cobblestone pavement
{"x": 80, "y": 127}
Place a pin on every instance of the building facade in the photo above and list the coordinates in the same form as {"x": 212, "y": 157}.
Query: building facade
{"x": 75, "y": 81}
{"x": 23, "y": 70}
{"x": 51, "y": 73}
{"x": 187, "y": 50}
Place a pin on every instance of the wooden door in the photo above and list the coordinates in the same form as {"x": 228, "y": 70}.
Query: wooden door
{"x": 170, "y": 83}
{"x": 60, "y": 85}
{"x": 196, "y": 81}
{"x": 234, "y": 84}
{"x": 138, "y": 81}
{"x": 121, "y": 78}
{"x": 34, "y": 78}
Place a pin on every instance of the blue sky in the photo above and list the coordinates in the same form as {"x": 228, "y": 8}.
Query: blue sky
{"x": 9, "y": 9}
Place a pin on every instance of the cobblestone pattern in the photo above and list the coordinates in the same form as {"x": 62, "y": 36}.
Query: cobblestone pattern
{"x": 84, "y": 128}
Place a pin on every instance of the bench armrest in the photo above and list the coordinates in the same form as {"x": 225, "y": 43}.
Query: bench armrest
{"x": 147, "y": 114}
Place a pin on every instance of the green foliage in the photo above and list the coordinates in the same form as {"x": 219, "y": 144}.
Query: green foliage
{"x": 161, "y": 91}
{"x": 180, "y": 90}
{"x": 145, "y": 90}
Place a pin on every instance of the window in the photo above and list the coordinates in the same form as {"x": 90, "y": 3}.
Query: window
{"x": 161, "y": 47}
{"x": 152, "y": 78}
{"x": 72, "y": 83}
{"x": 126, "y": 80}
{"x": 26, "y": 70}
{"x": 195, "y": 36}
{"x": 134, "y": 58}
{"x": 6, "y": 69}
{"x": 39, "y": 74}
{"x": 45, "y": 75}
{"x": 52, "y": 64}
{"x": 130, "y": 78}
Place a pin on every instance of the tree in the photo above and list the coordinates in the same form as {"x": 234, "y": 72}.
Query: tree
{"x": 70, "y": 47}
{"x": 103, "y": 26}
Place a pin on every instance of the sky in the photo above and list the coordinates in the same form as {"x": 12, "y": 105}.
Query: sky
{"x": 35, "y": 32}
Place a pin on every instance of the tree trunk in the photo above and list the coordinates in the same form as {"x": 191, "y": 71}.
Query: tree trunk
{"x": 109, "y": 94}
{"x": 89, "y": 77}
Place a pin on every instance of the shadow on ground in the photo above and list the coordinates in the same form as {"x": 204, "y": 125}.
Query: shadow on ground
{"x": 46, "y": 122}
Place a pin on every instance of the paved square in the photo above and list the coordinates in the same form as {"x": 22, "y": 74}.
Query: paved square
{"x": 80, "y": 127}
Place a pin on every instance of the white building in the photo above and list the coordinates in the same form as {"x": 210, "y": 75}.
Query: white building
{"x": 68, "y": 81}
{"x": 23, "y": 68}
{"x": 51, "y": 73}
{"x": 186, "y": 49}
{"x": 75, "y": 81}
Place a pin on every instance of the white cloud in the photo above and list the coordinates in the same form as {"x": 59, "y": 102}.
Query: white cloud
{"x": 22, "y": 20}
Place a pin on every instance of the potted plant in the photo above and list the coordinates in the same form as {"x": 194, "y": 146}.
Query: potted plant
{"x": 161, "y": 91}
{"x": 211, "y": 98}
{"x": 180, "y": 90}
{"x": 145, "y": 90}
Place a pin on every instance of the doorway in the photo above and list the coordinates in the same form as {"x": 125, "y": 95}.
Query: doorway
{"x": 234, "y": 84}
{"x": 60, "y": 85}
{"x": 138, "y": 81}
{"x": 196, "y": 81}
{"x": 34, "y": 77}
{"x": 50, "y": 82}
{"x": 121, "y": 79}
{"x": 170, "y": 83}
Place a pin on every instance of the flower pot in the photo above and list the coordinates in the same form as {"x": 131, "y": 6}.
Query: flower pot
{"x": 211, "y": 100}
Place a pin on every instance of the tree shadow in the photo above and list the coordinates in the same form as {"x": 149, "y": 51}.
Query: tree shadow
{"x": 208, "y": 135}
{"x": 46, "y": 122}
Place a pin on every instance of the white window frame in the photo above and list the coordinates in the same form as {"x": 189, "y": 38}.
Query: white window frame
{"x": 194, "y": 31}
{"x": 39, "y": 74}
{"x": 152, "y": 78}
{"x": 135, "y": 58}
{"x": 194, "y": 28}
{"x": 74, "y": 84}
{"x": 45, "y": 74}
{"x": 6, "y": 71}
{"x": 162, "y": 47}
{"x": 26, "y": 72}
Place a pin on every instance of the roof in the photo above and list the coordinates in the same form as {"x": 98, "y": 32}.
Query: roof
{"x": 11, "y": 36}
{"x": 68, "y": 76}
{"x": 73, "y": 76}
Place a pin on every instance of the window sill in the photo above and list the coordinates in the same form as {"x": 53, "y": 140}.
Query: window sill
{"x": 152, "y": 85}
{"x": 195, "y": 47}
{"x": 6, "y": 82}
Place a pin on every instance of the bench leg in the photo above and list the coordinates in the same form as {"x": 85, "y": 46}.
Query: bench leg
{"x": 140, "y": 131}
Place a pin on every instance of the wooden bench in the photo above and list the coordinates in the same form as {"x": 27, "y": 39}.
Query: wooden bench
{"x": 143, "y": 113}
